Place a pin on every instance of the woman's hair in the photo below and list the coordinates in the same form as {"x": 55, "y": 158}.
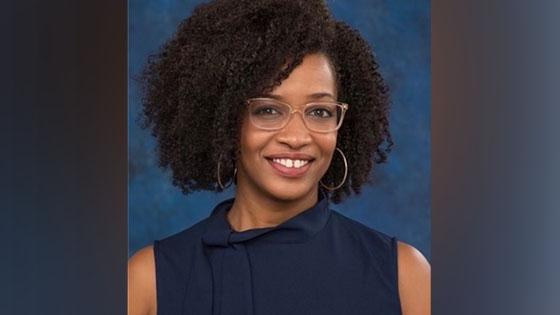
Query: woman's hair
{"x": 195, "y": 87}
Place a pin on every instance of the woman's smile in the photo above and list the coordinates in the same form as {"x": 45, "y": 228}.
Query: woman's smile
{"x": 290, "y": 165}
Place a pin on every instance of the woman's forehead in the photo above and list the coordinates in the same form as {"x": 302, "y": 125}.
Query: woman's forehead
{"x": 313, "y": 78}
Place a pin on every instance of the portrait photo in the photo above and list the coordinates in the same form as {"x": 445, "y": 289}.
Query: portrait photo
{"x": 279, "y": 157}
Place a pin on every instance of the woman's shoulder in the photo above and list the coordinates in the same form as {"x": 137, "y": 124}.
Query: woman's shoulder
{"x": 144, "y": 264}
{"x": 407, "y": 254}
{"x": 412, "y": 268}
{"x": 142, "y": 282}
{"x": 414, "y": 274}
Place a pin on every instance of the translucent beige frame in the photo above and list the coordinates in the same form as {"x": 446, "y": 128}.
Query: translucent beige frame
{"x": 342, "y": 106}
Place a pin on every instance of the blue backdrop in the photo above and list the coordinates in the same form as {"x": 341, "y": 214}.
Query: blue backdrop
{"x": 398, "y": 203}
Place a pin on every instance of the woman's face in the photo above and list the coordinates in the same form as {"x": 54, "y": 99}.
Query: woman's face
{"x": 266, "y": 156}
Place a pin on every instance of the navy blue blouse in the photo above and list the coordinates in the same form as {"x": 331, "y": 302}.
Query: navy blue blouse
{"x": 318, "y": 262}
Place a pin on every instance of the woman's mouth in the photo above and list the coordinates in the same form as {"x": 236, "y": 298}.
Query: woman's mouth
{"x": 289, "y": 167}
{"x": 289, "y": 163}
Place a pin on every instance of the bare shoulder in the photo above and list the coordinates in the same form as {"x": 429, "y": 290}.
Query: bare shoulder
{"x": 142, "y": 283}
{"x": 414, "y": 281}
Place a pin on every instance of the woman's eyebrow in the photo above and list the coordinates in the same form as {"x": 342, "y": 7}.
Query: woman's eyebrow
{"x": 320, "y": 95}
{"x": 313, "y": 96}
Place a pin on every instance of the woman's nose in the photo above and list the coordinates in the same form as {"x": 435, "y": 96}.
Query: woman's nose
{"x": 295, "y": 134}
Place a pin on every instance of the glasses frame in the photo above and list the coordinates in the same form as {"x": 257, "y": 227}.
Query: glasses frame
{"x": 343, "y": 106}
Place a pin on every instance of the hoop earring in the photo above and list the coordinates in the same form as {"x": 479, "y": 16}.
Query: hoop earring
{"x": 220, "y": 177}
{"x": 345, "y": 174}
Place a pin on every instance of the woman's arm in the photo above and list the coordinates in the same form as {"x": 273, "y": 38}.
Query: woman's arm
{"x": 142, "y": 283}
{"x": 414, "y": 281}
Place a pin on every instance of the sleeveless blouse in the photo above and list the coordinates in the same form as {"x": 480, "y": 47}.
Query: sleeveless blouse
{"x": 317, "y": 262}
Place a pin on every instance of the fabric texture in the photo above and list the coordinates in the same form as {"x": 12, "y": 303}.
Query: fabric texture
{"x": 318, "y": 262}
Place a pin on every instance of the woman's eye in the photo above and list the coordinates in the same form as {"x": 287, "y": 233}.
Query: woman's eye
{"x": 265, "y": 111}
{"x": 320, "y": 113}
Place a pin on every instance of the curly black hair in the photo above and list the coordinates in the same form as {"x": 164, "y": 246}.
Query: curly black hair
{"x": 194, "y": 89}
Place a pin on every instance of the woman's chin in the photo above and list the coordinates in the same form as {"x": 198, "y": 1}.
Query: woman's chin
{"x": 292, "y": 193}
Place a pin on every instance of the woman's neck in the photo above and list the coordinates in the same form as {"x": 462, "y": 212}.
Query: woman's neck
{"x": 253, "y": 209}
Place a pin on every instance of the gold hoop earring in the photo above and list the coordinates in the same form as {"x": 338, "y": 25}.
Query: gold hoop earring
{"x": 345, "y": 174}
{"x": 220, "y": 177}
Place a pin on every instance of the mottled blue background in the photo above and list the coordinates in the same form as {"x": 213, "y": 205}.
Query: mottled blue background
{"x": 399, "y": 201}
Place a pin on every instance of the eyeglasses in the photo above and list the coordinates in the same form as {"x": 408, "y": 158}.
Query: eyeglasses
{"x": 271, "y": 114}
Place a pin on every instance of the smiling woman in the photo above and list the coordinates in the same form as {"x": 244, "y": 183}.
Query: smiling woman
{"x": 285, "y": 102}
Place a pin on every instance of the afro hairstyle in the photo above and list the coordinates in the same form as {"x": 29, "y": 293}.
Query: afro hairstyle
{"x": 195, "y": 87}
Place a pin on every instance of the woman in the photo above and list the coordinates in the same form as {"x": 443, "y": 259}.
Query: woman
{"x": 285, "y": 103}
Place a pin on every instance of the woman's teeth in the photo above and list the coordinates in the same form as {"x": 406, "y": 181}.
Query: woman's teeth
{"x": 291, "y": 163}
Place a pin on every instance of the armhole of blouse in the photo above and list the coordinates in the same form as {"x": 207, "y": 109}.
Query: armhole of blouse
{"x": 395, "y": 249}
{"x": 156, "y": 265}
